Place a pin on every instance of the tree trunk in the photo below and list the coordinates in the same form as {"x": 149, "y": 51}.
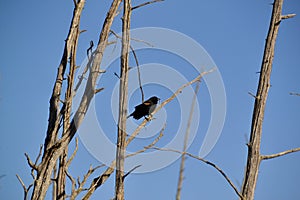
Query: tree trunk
{"x": 254, "y": 157}
{"x": 123, "y": 100}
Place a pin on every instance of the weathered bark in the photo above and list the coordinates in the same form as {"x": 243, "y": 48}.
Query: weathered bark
{"x": 45, "y": 168}
{"x": 66, "y": 114}
{"x": 254, "y": 157}
{"x": 123, "y": 101}
{"x": 54, "y": 147}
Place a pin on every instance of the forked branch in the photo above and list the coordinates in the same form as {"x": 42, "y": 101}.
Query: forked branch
{"x": 25, "y": 189}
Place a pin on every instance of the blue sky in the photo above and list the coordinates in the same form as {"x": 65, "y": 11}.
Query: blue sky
{"x": 232, "y": 32}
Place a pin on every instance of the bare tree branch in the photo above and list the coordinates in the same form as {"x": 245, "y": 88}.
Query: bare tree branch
{"x": 39, "y": 155}
{"x": 30, "y": 163}
{"x": 98, "y": 90}
{"x": 76, "y": 191}
{"x": 139, "y": 73}
{"x": 123, "y": 102}
{"x": 150, "y": 145}
{"x": 207, "y": 162}
{"x": 288, "y": 16}
{"x": 266, "y": 157}
{"x": 254, "y": 157}
{"x": 130, "y": 171}
{"x": 252, "y": 95}
{"x": 98, "y": 181}
{"x": 146, "y": 3}
{"x": 73, "y": 181}
{"x": 294, "y": 93}
{"x": 55, "y": 147}
{"x": 186, "y": 137}
{"x": 73, "y": 154}
{"x": 133, "y": 39}
{"x": 137, "y": 64}
{"x": 25, "y": 189}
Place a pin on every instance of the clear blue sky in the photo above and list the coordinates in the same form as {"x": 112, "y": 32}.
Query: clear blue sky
{"x": 232, "y": 32}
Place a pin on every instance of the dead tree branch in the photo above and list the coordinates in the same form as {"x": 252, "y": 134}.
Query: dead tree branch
{"x": 54, "y": 147}
{"x": 130, "y": 171}
{"x": 146, "y": 3}
{"x": 138, "y": 70}
{"x": 288, "y": 16}
{"x": 66, "y": 115}
{"x": 177, "y": 92}
{"x": 49, "y": 159}
{"x": 206, "y": 162}
{"x": 185, "y": 143}
{"x": 294, "y": 93}
{"x": 150, "y": 145}
{"x": 98, "y": 181}
{"x": 25, "y": 189}
{"x": 123, "y": 101}
{"x": 254, "y": 157}
{"x": 266, "y": 157}
{"x": 73, "y": 154}
{"x": 137, "y": 65}
{"x": 76, "y": 191}
{"x": 30, "y": 163}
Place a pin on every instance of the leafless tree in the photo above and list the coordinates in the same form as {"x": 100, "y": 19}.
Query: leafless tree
{"x": 254, "y": 157}
{"x": 52, "y": 163}
{"x": 56, "y": 144}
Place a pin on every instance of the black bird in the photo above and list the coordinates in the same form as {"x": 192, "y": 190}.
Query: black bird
{"x": 145, "y": 108}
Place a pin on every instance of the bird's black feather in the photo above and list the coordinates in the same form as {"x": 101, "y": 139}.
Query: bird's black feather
{"x": 145, "y": 109}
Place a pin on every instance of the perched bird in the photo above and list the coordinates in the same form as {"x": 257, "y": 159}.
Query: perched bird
{"x": 145, "y": 109}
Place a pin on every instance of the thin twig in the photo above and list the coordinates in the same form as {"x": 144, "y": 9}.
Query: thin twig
{"x": 251, "y": 94}
{"x": 25, "y": 189}
{"x": 146, "y": 3}
{"x": 294, "y": 93}
{"x": 266, "y": 157}
{"x": 138, "y": 70}
{"x": 288, "y": 16}
{"x": 150, "y": 145}
{"x": 73, "y": 181}
{"x": 133, "y": 39}
{"x": 21, "y": 181}
{"x": 73, "y": 154}
{"x": 75, "y": 192}
{"x": 30, "y": 163}
{"x": 207, "y": 162}
{"x": 130, "y": 171}
{"x": 40, "y": 154}
{"x": 98, "y": 90}
{"x": 186, "y": 137}
{"x": 136, "y": 61}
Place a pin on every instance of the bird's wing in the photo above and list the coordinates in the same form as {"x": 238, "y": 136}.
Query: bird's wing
{"x": 147, "y": 103}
